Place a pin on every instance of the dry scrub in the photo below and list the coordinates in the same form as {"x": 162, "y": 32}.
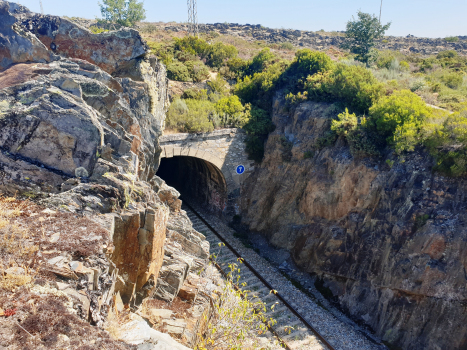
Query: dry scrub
{"x": 34, "y": 313}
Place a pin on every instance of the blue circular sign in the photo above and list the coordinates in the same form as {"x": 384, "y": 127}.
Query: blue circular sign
{"x": 240, "y": 169}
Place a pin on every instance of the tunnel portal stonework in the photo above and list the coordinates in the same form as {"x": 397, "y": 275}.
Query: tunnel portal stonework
{"x": 223, "y": 148}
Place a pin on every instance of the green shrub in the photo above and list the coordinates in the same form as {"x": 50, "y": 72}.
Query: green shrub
{"x": 198, "y": 71}
{"x": 447, "y": 54}
{"x": 97, "y": 30}
{"x": 452, "y": 39}
{"x": 258, "y": 127}
{"x": 194, "y": 93}
{"x": 354, "y": 86}
{"x": 448, "y": 144}
{"x": 308, "y": 155}
{"x": 345, "y": 123}
{"x": 219, "y": 53}
{"x": 405, "y": 66}
{"x": 232, "y": 112}
{"x": 328, "y": 139}
{"x": 178, "y": 71}
{"x": 308, "y": 62}
{"x": 384, "y": 60}
{"x": 453, "y": 80}
{"x": 218, "y": 86}
{"x": 399, "y": 118}
{"x": 259, "y": 88}
{"x": 237, "y": 66}
{"x": 363, "y": 142}
{"x": 191, "y": 115}
{"x": 260, "y": 61}
{"x": 287, "y": 46}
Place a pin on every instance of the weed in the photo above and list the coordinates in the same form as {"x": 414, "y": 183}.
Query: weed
{"x": 308, "y": 154}
{"x": 420, "y": 221}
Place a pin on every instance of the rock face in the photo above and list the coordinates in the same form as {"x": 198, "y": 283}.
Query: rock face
{"x": 388, "y": 243}
{"x": 114, "y": 52}
{"x": 139, "y": 239}
{"x": 17, "y": 45}
{"x": 80, "y": 120}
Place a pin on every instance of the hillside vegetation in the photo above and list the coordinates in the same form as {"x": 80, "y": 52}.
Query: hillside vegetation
{"x": 388, "y": 103}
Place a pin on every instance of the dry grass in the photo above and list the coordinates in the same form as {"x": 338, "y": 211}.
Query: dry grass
{"x": 39, "y": 315}
{"x": 16, "y": 248}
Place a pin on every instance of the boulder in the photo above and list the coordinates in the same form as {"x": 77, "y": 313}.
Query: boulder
{"x": 112, "y": 51}
{"x": 137, "y": 332}
{"x": 171, "y": 278}
{"x": 16, "y": 44}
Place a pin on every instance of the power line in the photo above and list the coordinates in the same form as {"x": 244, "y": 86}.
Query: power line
{"x": 192, "y": 18}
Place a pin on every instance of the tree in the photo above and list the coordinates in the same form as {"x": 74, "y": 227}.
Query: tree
{"x": 122, "y": 12}
{"x": 361, "y": 35}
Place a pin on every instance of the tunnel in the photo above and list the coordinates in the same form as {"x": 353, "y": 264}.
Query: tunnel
{"x": 199, "y": 181}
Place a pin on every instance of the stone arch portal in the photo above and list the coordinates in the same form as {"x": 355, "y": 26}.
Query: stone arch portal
{"x": 209, "y": 160}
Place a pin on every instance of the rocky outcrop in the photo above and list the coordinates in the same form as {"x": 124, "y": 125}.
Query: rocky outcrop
{"x": 388, "y": 243}
{"x": 321, "y": 40}
{"x": 138, "y": 238}
{"x": 16, "y": 44}
{"x": 114, "y": 52}
{"x": 80, "y": 119}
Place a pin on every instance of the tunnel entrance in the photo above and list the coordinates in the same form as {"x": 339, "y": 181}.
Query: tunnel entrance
{"x": 197, "y": 180}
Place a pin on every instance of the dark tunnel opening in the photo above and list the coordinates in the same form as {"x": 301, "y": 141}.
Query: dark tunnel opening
{"x": 197, "y": 180}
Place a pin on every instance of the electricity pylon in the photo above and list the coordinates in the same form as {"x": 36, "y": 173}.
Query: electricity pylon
{"x": 192, "y": 18}
{"x": 380, "y": 9}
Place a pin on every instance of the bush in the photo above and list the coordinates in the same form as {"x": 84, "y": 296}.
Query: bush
{"x": 191, "y": 115}
{"x": 452, "y": 39}
{"x": 307, "y": 63}
{"x": 219, "y": 53}
{"x": 447, "y": 54}
{"x": 384, "y": 59}
{"x": 178, "y": 71}
{"x": 448, "y": 144}
{"x": 231, "y": 111}
{"x": 218, "y": 86}
{"x": 354, "y": 86}
{"x": 97, "y": 30}
{"x": 287, "y": 46}
{"x": 399, "y": 118}
{"x": 257, "y": 128}
{"x": 260, "y": 61}
{"x": 198, "y": 71}
{"x": 453, "y": 80}
{"x": 345, "y": 123}
{"x": 259, "y": 88}
{"x": 237, "y": 66}
{"x": 404, "y": 65}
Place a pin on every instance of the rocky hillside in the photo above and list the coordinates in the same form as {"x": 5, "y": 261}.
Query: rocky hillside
{"x": 95, "y": 252}
{"x": 322, "y": 40}
{"x": 386, "y": 240}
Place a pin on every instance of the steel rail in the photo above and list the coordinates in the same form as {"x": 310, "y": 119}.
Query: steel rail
{"x": 261, "y": 278}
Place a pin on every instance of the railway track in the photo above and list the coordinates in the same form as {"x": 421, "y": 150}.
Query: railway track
{"x": 292, "y": 329}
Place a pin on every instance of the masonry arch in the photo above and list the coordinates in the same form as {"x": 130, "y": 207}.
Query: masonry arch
{"x": 203, "y": 166}
{"x": 197, "y": 174}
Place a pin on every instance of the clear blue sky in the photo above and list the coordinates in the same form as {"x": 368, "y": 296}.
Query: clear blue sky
{"x": 426, "y": 18}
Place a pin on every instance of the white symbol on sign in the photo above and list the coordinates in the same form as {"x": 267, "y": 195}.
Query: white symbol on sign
{"x": 240, "y": 169}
